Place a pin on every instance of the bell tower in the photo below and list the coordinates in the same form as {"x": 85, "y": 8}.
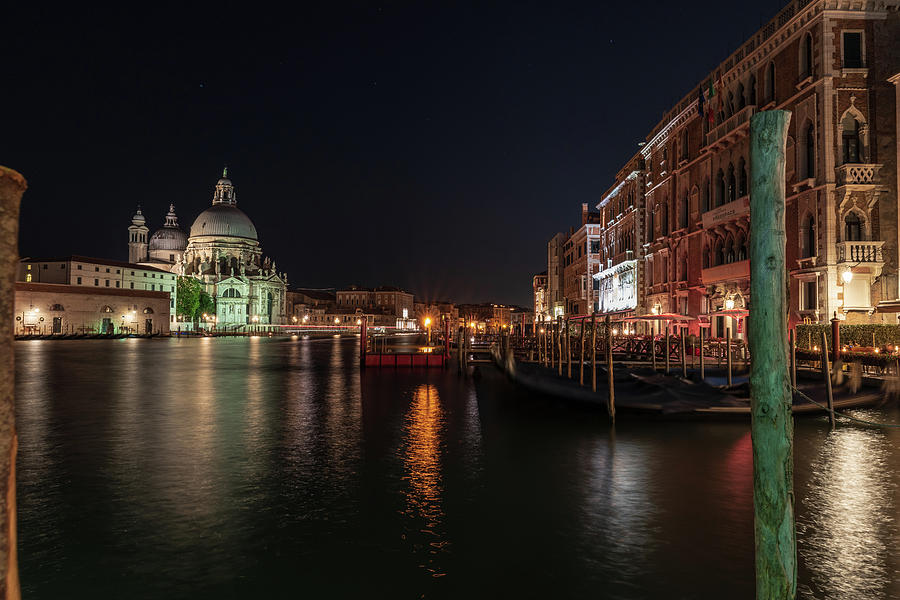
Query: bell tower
{"x": 137, "y": 238}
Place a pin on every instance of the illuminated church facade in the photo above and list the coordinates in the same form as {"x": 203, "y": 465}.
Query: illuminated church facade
{"x": 223, "y": 252}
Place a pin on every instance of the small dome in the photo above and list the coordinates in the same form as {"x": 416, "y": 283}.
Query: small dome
{"x": 168, "y": 238}
{"x": 223, "y": 220}
{"x": 138, "y": 218}
{"x": 224, "y": 181}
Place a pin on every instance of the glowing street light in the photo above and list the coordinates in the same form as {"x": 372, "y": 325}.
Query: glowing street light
{"x": 729, "y": 304}
{"x": 847, "y": 276}
{"x": 336, "y": 320}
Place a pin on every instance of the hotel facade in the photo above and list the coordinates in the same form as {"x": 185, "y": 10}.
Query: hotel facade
{"x": 675, "y": 222}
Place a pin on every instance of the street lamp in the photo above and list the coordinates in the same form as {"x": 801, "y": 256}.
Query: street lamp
{"x": 428, "y": 329}
{"x": 847, "y": 276}
{"x": 729, "y": 304}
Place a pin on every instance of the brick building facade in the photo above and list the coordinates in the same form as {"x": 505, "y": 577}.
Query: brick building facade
{"x": 676, "y": 219}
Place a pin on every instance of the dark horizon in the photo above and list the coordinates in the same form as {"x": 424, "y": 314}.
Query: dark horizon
{"x": 436, "y": 148}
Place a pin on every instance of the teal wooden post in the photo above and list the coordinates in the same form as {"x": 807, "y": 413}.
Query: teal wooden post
{"x": 770, "y": 392}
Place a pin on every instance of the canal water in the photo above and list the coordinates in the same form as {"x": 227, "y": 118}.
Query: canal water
{"x": 273, "y": 468}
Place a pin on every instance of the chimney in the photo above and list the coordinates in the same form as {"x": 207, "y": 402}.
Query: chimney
{"x": 584, "y": 213}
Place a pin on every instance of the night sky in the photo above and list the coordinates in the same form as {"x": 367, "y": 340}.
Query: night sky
{"x": 434, "y": 146}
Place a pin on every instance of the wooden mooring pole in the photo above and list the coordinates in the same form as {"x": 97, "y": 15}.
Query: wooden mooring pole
{"x": 683, "y": 357}
{"x": 826, "y": 373}
{"x": 728, "y": 353}
{"x": 702, "y": 364}
{"x": 559, "y": 341}
{"x": 793, "y": 360}
{"x": 581, "y": 355}
{"x": 772, "y": 427}
{"x": 594, "y": 352}
{"x": 568, "y": 345}
{"x": 12, "y": 186}
{"x": 611, "y": 403}
{"x": 667, "y": 348}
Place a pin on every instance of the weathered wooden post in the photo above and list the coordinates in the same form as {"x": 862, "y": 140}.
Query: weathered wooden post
{"x": 594, "y": 352}
{"x": 702, "y": 364}
{"x": 581, "y": 355}
{"x": 611, "y": 403}
{"x": 363, "y": 342}
{"x": 568, "y": 350}
{"x": 12, "y": 186}
{"x": 793, "y": 360}
{"x": 559, "y": 339}
{"x": 728, "y": 353}
{"x": 772, "y": 426}
{"x": 838, "y": 363}
{"x": 683, "y": 357}
{"x": 653, "y": 349}
{"x": 826, "y": 373}
{"x": 667, "y": 348}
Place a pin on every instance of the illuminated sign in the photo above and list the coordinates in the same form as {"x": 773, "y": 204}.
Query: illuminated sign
{"x": 618, "y": 287}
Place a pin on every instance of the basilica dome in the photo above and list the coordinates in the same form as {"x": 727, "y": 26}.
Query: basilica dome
{"x": 223, "y": 220}
{"x": 168, "y": 238}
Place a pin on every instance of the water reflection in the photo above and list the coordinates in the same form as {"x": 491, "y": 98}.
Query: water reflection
{"x": 848, "y": 510}
{"x": 422, "y": 471}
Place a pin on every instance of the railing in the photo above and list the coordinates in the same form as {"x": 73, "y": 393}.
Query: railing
{"x": 860, "y": 252}
{"x": 857, "y": 174}
{"x": 736, "y": 120}
{"x": 736, "y": 270}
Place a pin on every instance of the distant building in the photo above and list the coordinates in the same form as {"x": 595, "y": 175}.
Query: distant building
{"x": 100, "y": 273}
{"x": 387, "y": 301}
{"x": 62, "y": 309}
{"x": 542, "y": 308}
{"x": 486, "y": 318}
{"x": 308, "y": 306}
{"x": 581, "y": 260}
{"x": 556, "y": 275}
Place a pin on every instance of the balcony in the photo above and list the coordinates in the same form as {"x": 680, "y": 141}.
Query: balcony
{"x": 858, "y": 176}
{"x": 727, "y": 212}
{"x": 729, "y": 272}
{"x": 860, "y": 252}
{"x": 732, "y": 129}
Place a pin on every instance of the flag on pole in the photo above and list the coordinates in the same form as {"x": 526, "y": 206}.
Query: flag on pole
{"x": 712, "y": 92}
{"x": 700, "y": 102}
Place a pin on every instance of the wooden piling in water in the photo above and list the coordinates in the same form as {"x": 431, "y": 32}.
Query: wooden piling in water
{"x": 653, "y": 349}
{"x": 581, "y": 355}
{"x": 728, "y": 353}
{"x": 559, "y": 341}
{"x": 770, "y": 394}
{"x": 667, "y": 348}
{"x": 826, "y": 373}
{"x": 568, "y": 350}
{"x": 793, "y": 343}
{"x": 683, "y": 357}
{"x": 594, "y": 352}
{"x": 702, "y": 363}
{"x": 611, "y": 402}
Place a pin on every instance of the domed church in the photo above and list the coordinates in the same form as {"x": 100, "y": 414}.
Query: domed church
{"x": 223, "y": 252}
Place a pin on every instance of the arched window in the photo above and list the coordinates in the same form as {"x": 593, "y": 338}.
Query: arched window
{"x": 704, "y": 195}
{"x": 651, "y": 225}
{"x": 106, "y": 309}
{"x": 741, "y": 248}
{"x": 148, "y": 311}
{"x": 729, "y": 104}
{"x": 732, "y": 184}
{"x": 706, "y": 257}
{"x": 808, "y": 237}
{"x": 57, "y": 308}
{"x": 719, "y": 255}
{"x": 231, "y": 293}
{"x": 685, "y": 147}
{"x": 720, "y": 188}
{"x": 790, "y": 159}
{"x": 770, "y": 83}
{"x": 751, "y": 91}
{"x": 810, "y": 162}
{"x": 664, "y": 218}
{"x": 683, "y": 212}
{"x": 729, "y": 250}
{"x": 742, "y": 178}
{"x": 851, "y": 142}
{"x": 853, "y": 231}
{"x": 806, "y": 56}
{"x": 741, "y": 96}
